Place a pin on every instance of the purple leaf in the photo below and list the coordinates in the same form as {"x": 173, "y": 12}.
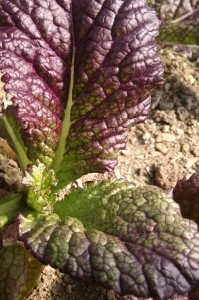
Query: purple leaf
{"x": 116, "y": 65}
{"x": 35, "y": 51}
{"x": 186, "y": 194}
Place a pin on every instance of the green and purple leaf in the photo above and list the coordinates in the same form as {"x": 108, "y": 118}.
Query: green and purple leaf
{"x": 182, "y": 37}
{"x": 35, "y": 54}
{"x": 95, "y": 60}
{"x": 132, "y": 240}
{"x": 180, "y": 26}
{"x": 19, "y": 272}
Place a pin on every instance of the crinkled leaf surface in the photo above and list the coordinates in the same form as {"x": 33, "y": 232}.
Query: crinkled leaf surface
{"x": 112, "y": 45}
{"x": 132, "y": 240}
{"x": 35, "y": 50}
{"x": 38, "y": 181}
{"x": 182, "y": 33}
{"x": 183, "y": 37}
{"x": 186, "y": 194}
{"x": 116, "y": 66}
{"x": 18, "y": 272}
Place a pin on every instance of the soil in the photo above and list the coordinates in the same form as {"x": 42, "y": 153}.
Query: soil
{"x": 160, "y": 151}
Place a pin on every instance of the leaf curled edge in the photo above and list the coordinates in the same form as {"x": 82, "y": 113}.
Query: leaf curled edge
{"x": 131, "y": 240}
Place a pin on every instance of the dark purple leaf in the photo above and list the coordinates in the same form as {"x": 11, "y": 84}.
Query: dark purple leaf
{"x": 116, "y": 65}
{"x": 186, "y": 194}
{"x": 35, "y": 52}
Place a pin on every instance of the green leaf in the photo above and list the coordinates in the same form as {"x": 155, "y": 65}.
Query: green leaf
{"x": 132, "y": 240}
{"x": 18, "y": 272}
{"x": 9, "y": 206}
{"x": 39, "y": 180}
{"x": 186, "y": 33}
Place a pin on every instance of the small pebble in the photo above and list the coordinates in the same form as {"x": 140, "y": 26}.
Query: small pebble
{"x": 165, "y": 137}
{"x": 185, "y": 148}
{"x": 161, "y": 148}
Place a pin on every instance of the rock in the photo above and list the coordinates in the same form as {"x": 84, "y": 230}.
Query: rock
{"x": 165, "y": 137}
{"x": 166, "y": 105}
{"x": 165, "y": 117}
{"x": 191, "y": 79}
{"x": 10, "y": 174}
{"x": 161, "y": 147}
{"x": 179, "y": 131}
{"x": 185, "y": 148}
{"x": 183, "y": 114}
{"x": 124, "y": 152}
{"x": 197, "y": 111}
{"x": 195, "y": 150}
{"x": 166, "y": 175}
{"x": 190, "y": 163}
{"x": 117, "y": 173}
{"x": 166, "y": 128}
{"x": 147, "y": 137}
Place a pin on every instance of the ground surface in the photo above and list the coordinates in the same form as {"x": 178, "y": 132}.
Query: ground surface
{"x": 160, "y": 151}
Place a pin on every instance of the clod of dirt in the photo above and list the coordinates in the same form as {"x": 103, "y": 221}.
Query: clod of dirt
{"x": 166, "y": 175}
{"x": 10, "y": 174}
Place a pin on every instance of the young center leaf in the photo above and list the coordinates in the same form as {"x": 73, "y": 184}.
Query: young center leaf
{"x": 132, "y": 240}
{"x": 38, "y": 182}
{"x": 79, "y": 72}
